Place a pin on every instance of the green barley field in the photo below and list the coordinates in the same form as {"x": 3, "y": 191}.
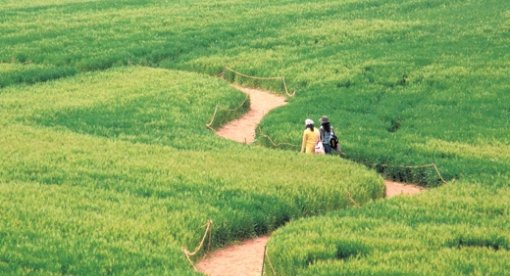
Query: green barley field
{"x": 106, "y": 166}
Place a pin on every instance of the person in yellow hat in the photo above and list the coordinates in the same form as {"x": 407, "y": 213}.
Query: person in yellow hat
{"x": 311, "y": 136}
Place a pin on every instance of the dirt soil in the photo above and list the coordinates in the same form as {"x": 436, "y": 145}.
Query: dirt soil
{"x": 243, "y": 129}
{"x": 245, "y": 258}
{"x": 396, "y": 188}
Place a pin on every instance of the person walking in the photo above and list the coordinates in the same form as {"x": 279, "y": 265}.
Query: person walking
{"x": 311, "y": 136}
{"x": 327, "y": 136}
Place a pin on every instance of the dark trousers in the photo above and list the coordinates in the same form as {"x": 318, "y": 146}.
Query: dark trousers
{"x": 327, "y": 148}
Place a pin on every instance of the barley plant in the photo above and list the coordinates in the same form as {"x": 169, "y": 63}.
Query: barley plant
{"x": 107, "y": 166}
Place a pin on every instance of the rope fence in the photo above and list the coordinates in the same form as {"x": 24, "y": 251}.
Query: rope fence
{"x": 207, "y": 233}
{"x": 209, "y": 225}
{"x": 263, "y": 260}
{"x": 380, "y": 167}
{"x": 349, "y": 197}
{"x": 431, "y": 165}
{"x": 266, "y": 257}
{"x": 282, "y": 79}
{"x": 276, "y": 145}
{"x": 210, "y": 125}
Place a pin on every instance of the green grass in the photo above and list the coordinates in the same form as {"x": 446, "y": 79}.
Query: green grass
{"x": 15, "y": 73}
{"x": 459, "y": 229}
{"x": 97, "y": 178}
{"x": 145, "y": 108}
{"x": 404, "y": 84}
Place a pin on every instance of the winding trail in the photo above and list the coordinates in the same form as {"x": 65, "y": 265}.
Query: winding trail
{"x": 243, "y": 129}
{"x": 245, "y": 258}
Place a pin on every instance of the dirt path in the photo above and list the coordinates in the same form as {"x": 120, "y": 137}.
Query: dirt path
{"x": 395, "y": 188}
{"x": 245, "y": 258}
{"x": 242, "y": 130}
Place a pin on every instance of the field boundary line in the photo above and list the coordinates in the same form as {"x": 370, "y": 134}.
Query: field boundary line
{"x": 374, "y": 165}
{"x": 276, "y": 145}
{"x": 433, "y": 165}
{"x": 208, "y": 232}
{"x": 282, "y": 79}
{"x": 266, "y": 257}
{"x": 349, "y": 197}
{"x": 263, "y": 260}
{"x": 217, "y": 107}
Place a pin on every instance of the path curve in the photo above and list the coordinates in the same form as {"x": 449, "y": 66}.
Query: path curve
{"x": 245, "y": 258}
{"x": 243, "y": 129}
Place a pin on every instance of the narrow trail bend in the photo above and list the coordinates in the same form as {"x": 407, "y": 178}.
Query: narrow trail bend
{"x": 245, "y": 258}
{"x": 243, "y": 129}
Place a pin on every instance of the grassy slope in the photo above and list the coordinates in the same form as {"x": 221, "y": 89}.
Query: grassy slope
{"x": 14, "y": 73}
{"x": 81, "y": 194}
{"x": 435, "y": 72}
{"x": 452, "y": 230}
{"x": 444, "y": 82}
{"x": 383, "y": 70}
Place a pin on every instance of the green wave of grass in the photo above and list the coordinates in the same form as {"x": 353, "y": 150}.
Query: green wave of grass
{"x": 403, "y": 83}
{"x": 99, "y": 176}
{"x": 457, "y": 229}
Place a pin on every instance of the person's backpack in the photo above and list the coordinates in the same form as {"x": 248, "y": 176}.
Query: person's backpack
{"x": 333, "y": 140}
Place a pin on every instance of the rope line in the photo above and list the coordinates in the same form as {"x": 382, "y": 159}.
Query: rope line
{"x": 208, "y": 231}
{"x": 251, "y": 77}
{"x": 210, "y": 237}
{"x": 431, "y": 165}
{"x": 438, "y": 173}
{"x": 266, "y": 257}
{"x": 213, "y": 117}
{"x": 276, "y": 145}
{"x": 263, "y": 260}
{"x": 282, "y": 79}
{"x": 349, "y": 197}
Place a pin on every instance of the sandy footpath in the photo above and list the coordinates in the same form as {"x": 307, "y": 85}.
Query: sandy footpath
{"x": 243, "y": 129}
{"x": 245, "y": 258}
{"x": 395, "y": 188}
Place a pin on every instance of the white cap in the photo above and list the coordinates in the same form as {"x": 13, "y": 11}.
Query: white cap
{"x": 308, "y": 122}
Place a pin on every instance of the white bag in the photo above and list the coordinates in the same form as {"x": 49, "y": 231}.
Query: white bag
{"x": 319, "y": 148}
